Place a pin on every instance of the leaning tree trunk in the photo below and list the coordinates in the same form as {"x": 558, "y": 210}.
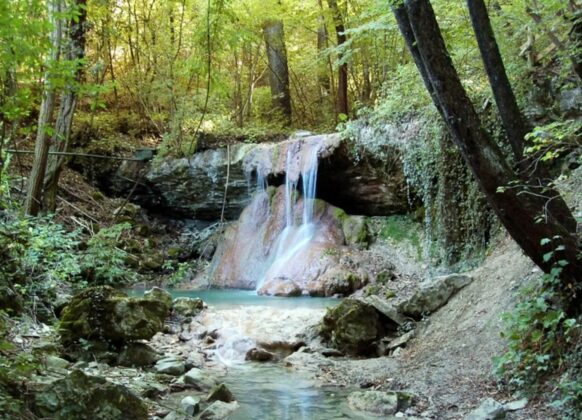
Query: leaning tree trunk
{"x": 342, "y": 76}
{"x": 279, "y": 71}
{"x": 513, "y": 120}
{"x": 524, "y": 213}
{"x": 60, "y": 141}
{"x": 514, "y": 123}
{"x": 35, "y": 181}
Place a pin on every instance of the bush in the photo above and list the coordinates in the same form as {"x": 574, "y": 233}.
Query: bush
{"x": 543, "y": 344}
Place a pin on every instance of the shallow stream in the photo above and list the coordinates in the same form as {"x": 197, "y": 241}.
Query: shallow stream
{"x": 271, "y": 390}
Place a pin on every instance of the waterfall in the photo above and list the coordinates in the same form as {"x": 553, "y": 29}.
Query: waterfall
{"x": 301, "y": 165}
{"x": 279, "y": 245}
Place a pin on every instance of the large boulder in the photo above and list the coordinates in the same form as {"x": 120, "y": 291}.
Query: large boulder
{"x": 220, "y": 393}
{"x": 79, "y": 396}
{"x": 105, "y": 314}
{"x": 218, "y": 410}
{"x": 433, "y": 294}
{"x": 380, "y": 403}
{"x": 352, "y": 327}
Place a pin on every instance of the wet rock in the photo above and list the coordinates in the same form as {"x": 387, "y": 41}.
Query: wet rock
{"x": 250, "y": 246}
{"x": 81, "y": 396}
{"x": 380, "y": 403}
{"x": 488, "y": 410}
{"x": 434, "y": 294}
{"x": 220, "y": 393}
{"x": 352, "y": 327}
{"x": 170, "y": 366}
{"x": 281, "y": 286}
{"x": 137, "y": 355}
{"x": 190, "y": 405}
{"x": 198, "y": 379}
{"x": 218, "y": 410}
{"x": 188, "y": 307}
{"x": 103, "y": 313}
{"x": 259, "y": 355}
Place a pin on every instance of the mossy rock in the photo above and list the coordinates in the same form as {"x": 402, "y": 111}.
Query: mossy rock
{"x": 153, "y": 262}
{"x": 220, "y": 393}
{"x": 352, "y": 327}
{"x": 161, "y": 295}
{"x": 103, "y": 313}
{"x": 79, "y": 396}
{"x": 355, "y": 230}
{"x": 138, "y": 355}
{"x": 187, "y": 307}
{"x": 174, "y": 252}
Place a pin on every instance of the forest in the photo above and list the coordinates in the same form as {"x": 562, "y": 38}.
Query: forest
{"x": 283, "y": 209}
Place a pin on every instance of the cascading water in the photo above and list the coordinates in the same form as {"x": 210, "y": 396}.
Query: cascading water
{"x": 280, "y": 244}
{"x": 295, "y": 236}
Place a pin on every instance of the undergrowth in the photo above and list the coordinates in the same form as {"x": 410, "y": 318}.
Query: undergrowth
{"x": 544, "y": 346}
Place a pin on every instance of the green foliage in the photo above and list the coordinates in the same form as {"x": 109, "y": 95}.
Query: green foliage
{"x": 554, "y": 140}
{"x": 182, "y": 272}
{"x": 39, "y": 257}
{"x": 15, "y": 367}
{"x": 402, "y": 228}
{"x": 103, "y": 262}
{"x": 543, "y": 342}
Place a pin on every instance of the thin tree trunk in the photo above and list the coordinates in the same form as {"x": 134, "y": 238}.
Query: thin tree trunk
{"x": 35, "y": 181}
{"x": 279, "y": 71}
{"x": 523, "y": 212}
{"x": 342, "y": 77}
{"x": 322, "y": 45}
{"x": 60, "y": 143}
{"x": 514, "y": 122}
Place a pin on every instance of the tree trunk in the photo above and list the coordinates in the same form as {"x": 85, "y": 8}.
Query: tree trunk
{"x": 322, "y": 45}
{"x": 279, "y": 71}
{"x": 60, "y": 141}
{"x": 513, "y": 120}
{"x": 35, "y": 181}
{"x": 514, "y": 123}
{"x": 342, "y": 77}
{"x": 523, "y": 212}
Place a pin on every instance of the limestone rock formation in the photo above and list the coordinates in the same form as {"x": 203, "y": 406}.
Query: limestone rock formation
{"x": 246, "y": 255}
{"x": 194, "y": 187}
